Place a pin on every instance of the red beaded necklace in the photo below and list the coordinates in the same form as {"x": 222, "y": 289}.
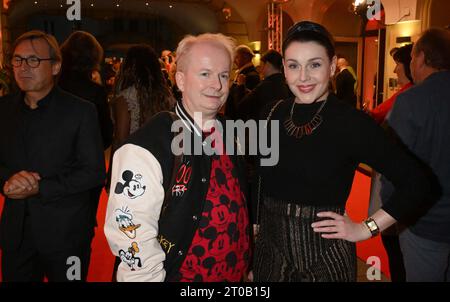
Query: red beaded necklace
{"x": 305, "y": 129}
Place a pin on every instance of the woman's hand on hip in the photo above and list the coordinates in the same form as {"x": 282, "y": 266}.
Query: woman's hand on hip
{"x": 340, "y": 227}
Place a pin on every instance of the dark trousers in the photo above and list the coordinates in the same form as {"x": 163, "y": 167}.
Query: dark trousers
{"x": 396, "y": 267}
{"x": 425, "y": 260}
{"x": 28, "y": 264}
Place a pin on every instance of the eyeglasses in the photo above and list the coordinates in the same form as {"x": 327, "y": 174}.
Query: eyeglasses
{"x": 32, "y": 61}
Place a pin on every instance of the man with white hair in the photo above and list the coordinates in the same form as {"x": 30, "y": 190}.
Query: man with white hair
{"x": 247, "y": 78}
{"x": 191, "y": 208}
{"x": 346, "y": 82}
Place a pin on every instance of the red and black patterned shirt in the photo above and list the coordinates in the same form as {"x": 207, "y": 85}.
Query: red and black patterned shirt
{"x": 220, "y": 247}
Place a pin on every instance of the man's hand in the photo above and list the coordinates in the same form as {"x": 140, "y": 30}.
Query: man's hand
{"x": 22, "y": 185}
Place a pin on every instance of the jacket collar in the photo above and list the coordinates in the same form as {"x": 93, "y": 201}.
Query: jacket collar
{"x": 187, "y": 120}
{"x": 42, "y": 103}
{"x": 189, "y": 123}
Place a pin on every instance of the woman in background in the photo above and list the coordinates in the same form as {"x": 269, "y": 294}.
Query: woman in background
{"x": 142, "y": 92}
{"x": 402, "y": 58}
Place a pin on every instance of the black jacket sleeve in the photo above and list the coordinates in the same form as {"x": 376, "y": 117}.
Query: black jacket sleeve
{"x": 88, "y": 171}
{"x": 373, "y": 147}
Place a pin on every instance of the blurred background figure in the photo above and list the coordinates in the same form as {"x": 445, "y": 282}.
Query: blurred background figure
{"x": 82, "y": 56}
{"x": 167, "y": 58}
{"x": 116, "y": 62}
{"x": 5, "y": 81}
{"x": 272, "y": 88}
{"x": 346, "y": 82}
{"x": 142, "y": 91}
{"x": 420, "y": 119}
{"x": 246, "y": 80}
{"x": 81, "y": 59}
{"x": 109, "y": 78}
{"x": 169, "y": 68}
{"x": 402, "y": 58}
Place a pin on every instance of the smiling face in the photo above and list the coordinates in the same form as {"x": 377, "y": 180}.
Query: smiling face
{"x": 204, "y": 79}
{"x": 134, "y": 189}
{"x": 308, "y": 70}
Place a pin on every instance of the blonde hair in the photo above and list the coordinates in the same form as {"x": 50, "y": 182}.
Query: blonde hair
{"x": 185, "y": 46}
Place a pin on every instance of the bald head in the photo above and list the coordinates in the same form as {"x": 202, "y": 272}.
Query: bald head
{"x": 185, "y": 47}
{"x": 342, "y": 63}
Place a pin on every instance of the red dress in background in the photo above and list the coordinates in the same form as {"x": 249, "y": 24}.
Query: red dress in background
{"x": 380, "y": 112}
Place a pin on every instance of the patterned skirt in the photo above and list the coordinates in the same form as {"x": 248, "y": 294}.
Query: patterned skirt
{"x": 288, "y": 250}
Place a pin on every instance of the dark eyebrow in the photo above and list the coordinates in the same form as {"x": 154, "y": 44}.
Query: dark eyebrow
{"x": 312, "y": 59}
{"x": 317, "y": 58}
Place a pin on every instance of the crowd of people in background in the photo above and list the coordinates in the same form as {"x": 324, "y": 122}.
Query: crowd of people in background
{"x": 220, "y": 217}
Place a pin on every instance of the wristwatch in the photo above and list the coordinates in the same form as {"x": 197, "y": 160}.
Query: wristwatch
{"x": 372, "y": 226}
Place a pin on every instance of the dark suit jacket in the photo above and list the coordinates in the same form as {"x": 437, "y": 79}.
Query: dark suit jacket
{"x": 345, "y": 87}
{"x": 86, "y": 89}
{"x": 61, "y": 141}
{"x": 271, "y": 89}
{"x": 238, "y": 92}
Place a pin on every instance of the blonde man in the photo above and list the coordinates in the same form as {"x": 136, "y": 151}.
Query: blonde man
{"x": 182, "y": 218}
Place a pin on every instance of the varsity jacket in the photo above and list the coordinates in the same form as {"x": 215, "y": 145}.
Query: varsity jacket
{"x": 153, "y": 247}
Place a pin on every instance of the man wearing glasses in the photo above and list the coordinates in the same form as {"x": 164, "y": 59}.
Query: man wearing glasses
{"x": 51, "y": 155}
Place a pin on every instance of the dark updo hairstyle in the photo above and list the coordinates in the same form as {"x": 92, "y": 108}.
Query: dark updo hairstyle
{"x": 403, "y": 55}
{"x": 307, "y": 31}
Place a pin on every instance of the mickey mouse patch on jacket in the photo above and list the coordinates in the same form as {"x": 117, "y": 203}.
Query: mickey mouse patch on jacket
{"x": 132, "y": 187}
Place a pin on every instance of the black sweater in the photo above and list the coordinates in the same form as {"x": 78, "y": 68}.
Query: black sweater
{"x": 319, "y": 169}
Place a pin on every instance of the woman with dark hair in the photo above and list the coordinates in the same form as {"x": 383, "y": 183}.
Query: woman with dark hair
{"x": 402, "y": 58}
{"x": 322, "y": 141}
{"x": 142, "y": 92}
{"x": 82, "y": 56}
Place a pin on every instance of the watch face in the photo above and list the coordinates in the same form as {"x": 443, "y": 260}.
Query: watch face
{"x": 373, "y": 227}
